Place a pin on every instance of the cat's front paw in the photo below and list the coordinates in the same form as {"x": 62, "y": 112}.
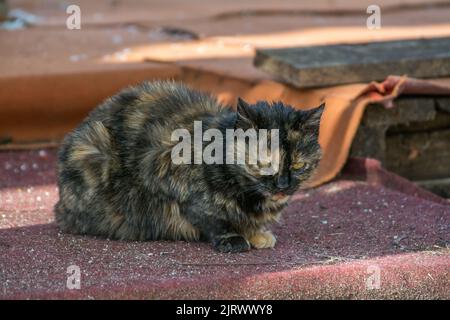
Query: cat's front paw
{"x": 263, "y": 239}
{"x": 231, "y": 243}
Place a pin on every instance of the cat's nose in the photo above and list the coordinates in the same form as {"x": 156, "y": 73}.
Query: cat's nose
{"x": 282, "y": 182}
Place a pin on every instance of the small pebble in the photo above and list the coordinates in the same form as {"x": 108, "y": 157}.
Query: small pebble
{"x": 42, "y": 153}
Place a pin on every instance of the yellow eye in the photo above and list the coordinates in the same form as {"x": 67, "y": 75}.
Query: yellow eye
{"x": 298, "y": 165}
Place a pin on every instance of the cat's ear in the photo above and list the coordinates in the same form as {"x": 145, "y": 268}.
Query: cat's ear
{"x": 245, "y": 115}
{"x": 309, "y": 120}
{"x": 314, "y": 115}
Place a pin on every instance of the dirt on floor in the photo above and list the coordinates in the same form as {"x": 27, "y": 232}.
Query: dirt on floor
{"x": 330, "y": 239}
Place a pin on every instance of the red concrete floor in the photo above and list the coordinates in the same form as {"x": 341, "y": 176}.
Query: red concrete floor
{"x": 332, "y": 242}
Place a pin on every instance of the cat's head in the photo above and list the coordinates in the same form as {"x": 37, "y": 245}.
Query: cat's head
{"x": 298, "y": 150}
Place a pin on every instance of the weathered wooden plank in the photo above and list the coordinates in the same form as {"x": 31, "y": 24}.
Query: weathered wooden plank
{"x": 443, "y": 103}
{"x": 440, "y": 122}
{"x": 370, "y": 142}
{"x": 412, "y": 139}
{"x": 419, "y": 156}
{"x": 406, "y": 110}
{"x": 370, "y": 139}
{"x": 321, "y": 66}
{"x": 438, "y": 186}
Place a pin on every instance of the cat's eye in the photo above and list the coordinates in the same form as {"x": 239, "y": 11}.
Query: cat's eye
{"x": 298, "y": 165}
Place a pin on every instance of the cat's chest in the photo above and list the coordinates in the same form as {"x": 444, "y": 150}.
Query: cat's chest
{"x": 260, "y": 205}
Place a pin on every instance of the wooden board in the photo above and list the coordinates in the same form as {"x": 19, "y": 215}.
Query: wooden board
{"x": 321, "y": 66}
{"x": 412, "y": 139}
{"x": 419, "y": 156}
{"x": 438, "y": 186}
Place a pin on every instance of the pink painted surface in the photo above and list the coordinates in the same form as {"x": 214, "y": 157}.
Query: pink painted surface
{"x": 330, "y": 240}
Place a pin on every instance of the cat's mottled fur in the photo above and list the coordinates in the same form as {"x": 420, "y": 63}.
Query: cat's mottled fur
{"x": 117, "y": 180}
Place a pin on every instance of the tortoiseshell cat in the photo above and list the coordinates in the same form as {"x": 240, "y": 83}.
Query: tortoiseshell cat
{"x": 117, "y": 179}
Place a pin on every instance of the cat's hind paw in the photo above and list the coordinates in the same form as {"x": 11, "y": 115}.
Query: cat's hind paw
{"x": 231, "y": 243}
{"x": 263, "y": 239}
